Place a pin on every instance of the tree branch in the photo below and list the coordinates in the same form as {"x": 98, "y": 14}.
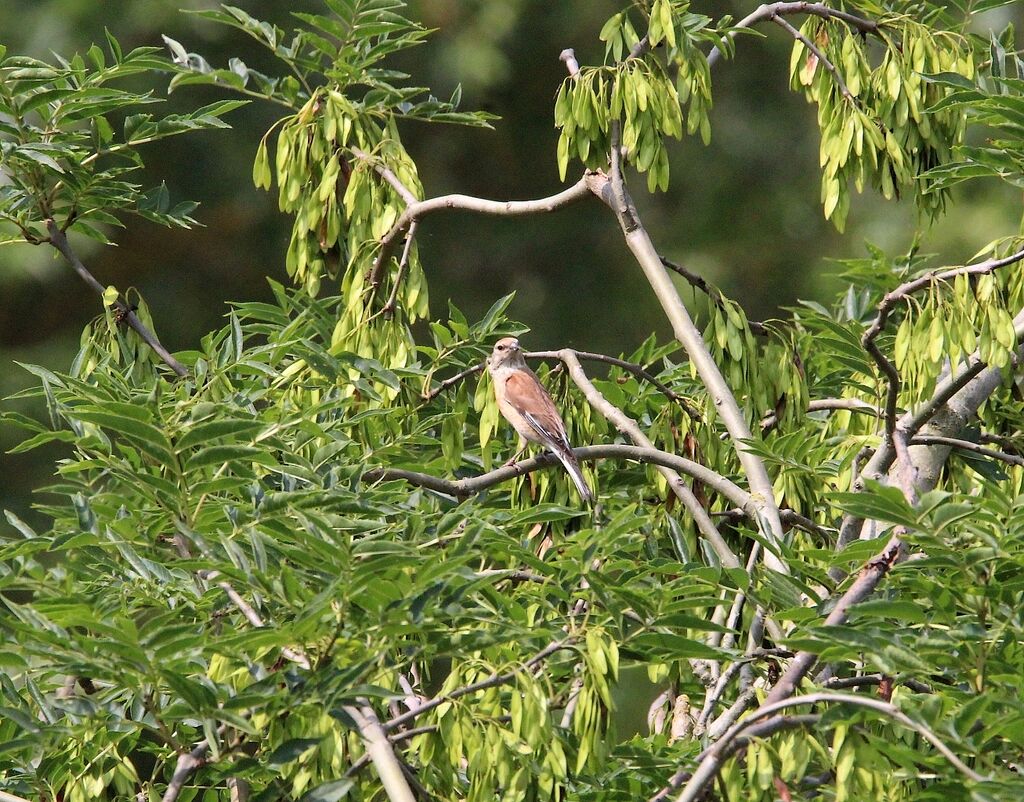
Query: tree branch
{"x": 967, "y": 445}
{"x": 587, "y": 356}
{"x": 187, "y": 764}
{"x": 697, "y": 281}
{"x": 58, "y": 239}
{"x": 615, "y": 195}
{"x": 490, "y": 682}
{"x": 770, "y": 11}
{"x": 418, "y": 210}
{"x": 463, "y": 488}
{"x": 630, "y": 367}
{"x": 631, "y": 429}
{"x": 712, "y": 759}
{"x": 818, "y": 53}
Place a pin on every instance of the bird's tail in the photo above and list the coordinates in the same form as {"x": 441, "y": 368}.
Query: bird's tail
{"x": 572, "y": 467}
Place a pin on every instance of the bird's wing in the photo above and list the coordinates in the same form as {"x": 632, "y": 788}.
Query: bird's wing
{"x": 529, "y": 398}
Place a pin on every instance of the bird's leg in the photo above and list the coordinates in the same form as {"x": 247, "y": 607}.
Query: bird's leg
{"x": 515, "y": 457}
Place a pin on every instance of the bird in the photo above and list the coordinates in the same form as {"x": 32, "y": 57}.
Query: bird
{"x": 524, "y": 403}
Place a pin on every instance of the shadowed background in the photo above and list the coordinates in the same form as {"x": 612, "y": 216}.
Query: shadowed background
{"x": 744, "y": 212}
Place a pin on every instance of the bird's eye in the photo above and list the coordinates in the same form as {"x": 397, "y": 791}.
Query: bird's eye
{"x": 501, "y": 347}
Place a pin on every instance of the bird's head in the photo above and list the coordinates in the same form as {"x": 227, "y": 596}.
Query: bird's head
{"x": 507, "y": 351}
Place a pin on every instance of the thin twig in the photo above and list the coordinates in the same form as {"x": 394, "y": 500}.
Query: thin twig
{"x": 874, "y": 679}
{"x": 463, "y": 488}
{"x": 966, "y": 445}
{"x": 768, "y": 11}
{"x": 716, "y": 295}
{"x": 818, "y": 53}
{"x": 403, "y": 267}
{"x": 711, "y": 760}
{"x": 388, "y": 175}
{"x": 58, "y": 239}
{"x": 490, "y": 682}
{"x": 587, "y": 356}
{"x": 630, "y": 367}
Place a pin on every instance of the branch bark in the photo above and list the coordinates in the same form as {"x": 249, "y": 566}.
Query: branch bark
{"x": 711, "y": 760}
{"x": 769, "y": 11}
{"x": 615, "y": 195}
{"x": 462, "y": 488}
{"x": 58, "y": 239}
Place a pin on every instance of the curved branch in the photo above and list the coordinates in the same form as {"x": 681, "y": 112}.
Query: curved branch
{"x": 631, "y": 367}
{"x": 420, "y": 209}
{"x": 58, "y": 239}
{"x": 770, "y": 11}
{"x": 462, "y": 488}
{"x": 631, "y": 429}
{"x": 587, "y": 356}
{"x": 711, "y": 760}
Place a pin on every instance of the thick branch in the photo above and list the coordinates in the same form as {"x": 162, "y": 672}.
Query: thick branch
{"x": 462, "y": 488}
{"x": 186, "y": 766}
{"x": 381, "y": 753}
{"x": 690, "y": 337}
{"x": 58, "y": 239}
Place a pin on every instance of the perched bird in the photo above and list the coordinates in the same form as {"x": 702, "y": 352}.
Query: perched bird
{"x": 525, "y": 404}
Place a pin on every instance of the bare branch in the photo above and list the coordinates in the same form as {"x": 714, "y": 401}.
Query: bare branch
{"x": 874, "y": 679}
{"x": 431, "y": 394}
{"x": 770, "y": 11}
{"x": 420, "y": 209}
{"x": 631, "y": 367}
{"x": 967, "y": 445}
{"x": 58, "y": 239}
{"x": 587, "y": 356}
{"x": 462, "y": 488}
{"x": 615, "y": 195}
{"x": 571, "y": 64}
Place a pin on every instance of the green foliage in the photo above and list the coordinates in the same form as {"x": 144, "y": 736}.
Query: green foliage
{"x": 637, "y": 93}
{"x": 70, "y": 138}
{"x": 230, "y": 562}
{"x": 882, "y": 122}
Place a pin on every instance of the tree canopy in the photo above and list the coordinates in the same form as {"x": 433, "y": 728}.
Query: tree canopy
{"x": 288, "y": 562}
